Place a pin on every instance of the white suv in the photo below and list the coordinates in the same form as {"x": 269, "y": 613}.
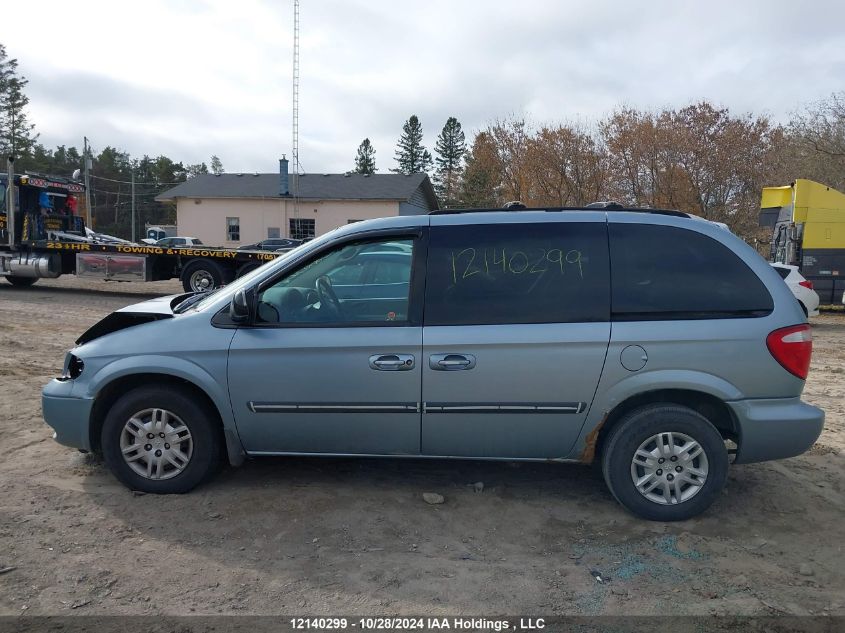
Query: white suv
{"x": 800, "y": 287}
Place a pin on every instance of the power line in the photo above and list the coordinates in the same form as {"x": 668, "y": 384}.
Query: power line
{"x": 129, "y": 182}
{"x": 123, "y": 192}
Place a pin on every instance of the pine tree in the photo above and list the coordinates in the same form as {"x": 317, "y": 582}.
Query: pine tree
{"x": 412, "y": 157}
{"x": 450, "y": 149}
{"x": 365, "y": 161}
{"x": 16, "y": 132}
{"x": 216, "y": 166}
{"x": 480, "y": 182}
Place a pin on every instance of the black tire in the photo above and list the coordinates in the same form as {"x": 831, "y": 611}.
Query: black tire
{"x": 205, "y": 269}
{"x": 248, "y": 268}
{"x": 804, "y": 308}
{"x": 21, "y": 282}
{"x": 201, "y": 422}
{"x": 640, "y": 425}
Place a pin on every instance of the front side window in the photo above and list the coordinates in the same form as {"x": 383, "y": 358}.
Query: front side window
{"x": 343, "y": 286}
{"x": 665, "y": 272}
{"x": 233, "y": 229}
{"x": 302, "y": 228}
{"x": 553, "y": 272}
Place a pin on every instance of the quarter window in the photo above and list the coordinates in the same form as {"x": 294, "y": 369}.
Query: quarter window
{"x": 665, "y": 272}
{"x": 233, "y": 229}
{"x": 517, "y": 273}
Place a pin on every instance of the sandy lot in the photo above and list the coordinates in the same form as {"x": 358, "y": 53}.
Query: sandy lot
{"x": 318, "y": 536}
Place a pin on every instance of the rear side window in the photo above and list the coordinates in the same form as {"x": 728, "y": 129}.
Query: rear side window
{"x": 517, "y": 273}
{"x": 664, "y": 272}
{"x": 783, "y": 272}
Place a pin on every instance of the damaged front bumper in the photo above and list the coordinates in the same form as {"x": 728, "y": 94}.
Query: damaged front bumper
{"x": 68, "y": 416}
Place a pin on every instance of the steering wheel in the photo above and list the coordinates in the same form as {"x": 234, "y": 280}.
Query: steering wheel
{"x": 328, "y": 297}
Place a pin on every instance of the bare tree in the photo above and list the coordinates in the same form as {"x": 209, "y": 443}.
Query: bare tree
{"x": 816, "y": 141}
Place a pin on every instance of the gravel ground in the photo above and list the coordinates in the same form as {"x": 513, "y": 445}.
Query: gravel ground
{"x": 318, "y": 536}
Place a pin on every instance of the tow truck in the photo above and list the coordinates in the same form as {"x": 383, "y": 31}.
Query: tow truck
{"x": 43, "y": 236}
{"x": 808, "y": 230}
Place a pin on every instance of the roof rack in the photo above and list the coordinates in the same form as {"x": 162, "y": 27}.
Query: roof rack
{"x": 595, "y": 206}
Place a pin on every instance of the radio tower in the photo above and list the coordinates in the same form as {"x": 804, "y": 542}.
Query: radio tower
{"x": 296, "y": 168}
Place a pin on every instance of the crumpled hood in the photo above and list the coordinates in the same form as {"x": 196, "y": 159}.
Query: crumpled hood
{"x": 136, "y": 314}
{"x": 159, "y": 305}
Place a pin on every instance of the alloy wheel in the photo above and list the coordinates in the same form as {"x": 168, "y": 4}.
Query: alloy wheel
{"x": 669, "y": 468}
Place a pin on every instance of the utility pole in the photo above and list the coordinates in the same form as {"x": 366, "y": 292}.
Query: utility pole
{"x": 133, "y": 201}
{"x": 294, "y": 181}
{"x": 87, "y": 166}
{"x": 10, "y": 200}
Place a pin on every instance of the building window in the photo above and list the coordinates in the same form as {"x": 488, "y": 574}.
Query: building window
{"x": 233, "y": 229}
{"x": 301, "y": 228}
{"x": 273, "y": 232}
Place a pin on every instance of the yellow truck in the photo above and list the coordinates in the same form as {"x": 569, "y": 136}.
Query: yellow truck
{"x": 808, "y": 231}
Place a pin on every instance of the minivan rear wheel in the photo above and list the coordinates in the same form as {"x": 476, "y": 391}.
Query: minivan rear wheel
{"x": 665, "y": 462}
{"x": 158, "y": 439}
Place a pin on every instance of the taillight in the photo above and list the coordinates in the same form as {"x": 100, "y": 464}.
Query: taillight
{"x": 806, "y": 284}
{"x": 792, "y": 347}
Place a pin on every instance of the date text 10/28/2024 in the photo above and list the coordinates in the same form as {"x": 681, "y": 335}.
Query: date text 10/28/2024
{"x": 417, "y": 624}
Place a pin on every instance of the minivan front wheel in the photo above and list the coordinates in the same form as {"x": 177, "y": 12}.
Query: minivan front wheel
{"x": 158, "y": 439}
{"x": 665, "y": 462}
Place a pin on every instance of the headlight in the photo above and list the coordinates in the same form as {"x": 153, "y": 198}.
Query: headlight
{"x": 73, "y": 367}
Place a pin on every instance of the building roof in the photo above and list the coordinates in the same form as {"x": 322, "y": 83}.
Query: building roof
{"x": 311, "y": 186}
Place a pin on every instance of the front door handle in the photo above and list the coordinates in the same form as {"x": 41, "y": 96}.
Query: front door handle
{"x": 451, "y": 362}
{"x": 392, "y": 362}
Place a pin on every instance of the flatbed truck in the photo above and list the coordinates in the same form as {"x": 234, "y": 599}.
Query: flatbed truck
{"x": 42, "y": 236}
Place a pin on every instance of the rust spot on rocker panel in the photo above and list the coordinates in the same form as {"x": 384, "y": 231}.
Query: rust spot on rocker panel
{"x": 589, "y": 453}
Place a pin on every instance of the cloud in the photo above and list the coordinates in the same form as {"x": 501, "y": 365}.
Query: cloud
{"x": 195, "y": 78}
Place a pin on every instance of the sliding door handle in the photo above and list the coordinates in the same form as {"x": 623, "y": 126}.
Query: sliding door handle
{"x": 451, "y": 362}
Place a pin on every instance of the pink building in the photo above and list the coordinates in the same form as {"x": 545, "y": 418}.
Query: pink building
{"x": 235, "y": 209}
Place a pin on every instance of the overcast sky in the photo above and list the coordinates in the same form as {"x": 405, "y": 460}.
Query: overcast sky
{"x": 192, "y": 78}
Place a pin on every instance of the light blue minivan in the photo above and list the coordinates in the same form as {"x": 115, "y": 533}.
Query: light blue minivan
{"x": 656, "y": 343}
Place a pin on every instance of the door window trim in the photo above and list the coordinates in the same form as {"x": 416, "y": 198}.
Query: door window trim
{"x": 416, "y": 290}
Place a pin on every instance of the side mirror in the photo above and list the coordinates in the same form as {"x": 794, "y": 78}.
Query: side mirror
{"x": 239, "y": 310}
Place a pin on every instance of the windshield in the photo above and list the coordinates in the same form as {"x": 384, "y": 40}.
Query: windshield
{"x": 246, "y": 280}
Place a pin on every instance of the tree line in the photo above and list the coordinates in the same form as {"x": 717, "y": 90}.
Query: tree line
{"x": 412, "y": 157}
{"x": 111, "y": 169}
{"x": 702, "y": 159}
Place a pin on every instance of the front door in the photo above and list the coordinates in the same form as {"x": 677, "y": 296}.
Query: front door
{"x": 332, "y": 362}
{"x": 515, "y": 338}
